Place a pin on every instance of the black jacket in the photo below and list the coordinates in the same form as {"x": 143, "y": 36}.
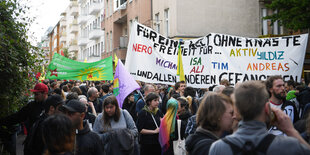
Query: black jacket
{"x": 88, "y": 142}
{"x": 119, "y": 142}
{"x": 145, "y": 121}
{"x": 184, "y": 119}
{"x": 34, "y": 144}
{"x": 200, "y": 142}
{"x": 131, "y": 108}
{"x": 28, "y": 114}
{"x": 97, "y": 104}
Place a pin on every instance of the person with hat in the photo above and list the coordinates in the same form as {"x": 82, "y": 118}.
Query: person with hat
{"x": 87, "y": 142}
{"x": 34, "y": 144}
{"x": 29, "y": 113}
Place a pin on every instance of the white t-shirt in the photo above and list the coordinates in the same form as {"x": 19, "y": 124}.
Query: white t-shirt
{"x": 289, "y": 110}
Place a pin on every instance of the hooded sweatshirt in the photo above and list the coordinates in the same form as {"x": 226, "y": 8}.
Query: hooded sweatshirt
{"x": 200, "y": 142}
{"x": 88, "y": 142}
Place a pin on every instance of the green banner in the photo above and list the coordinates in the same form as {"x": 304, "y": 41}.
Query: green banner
{"x": 63, "y": 68}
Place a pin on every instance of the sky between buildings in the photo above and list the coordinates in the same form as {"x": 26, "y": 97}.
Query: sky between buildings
{"x": 47, "y": 13}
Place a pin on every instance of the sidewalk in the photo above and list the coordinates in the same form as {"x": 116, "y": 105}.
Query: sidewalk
{"x": 19, "y": 144}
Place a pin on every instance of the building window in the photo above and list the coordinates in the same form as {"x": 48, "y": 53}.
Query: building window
{"x": 94, "y": 50}
{"x": 89, "y": 53}
{"x": 265, "y": 24}
{"x": 267, "y": 28}
{"x": 111, "y": 41}
{"x": 130, "y": 25}
{"x": 102, "y": 47}
{"x": 98, "y": 49}
{"x": 118, "y": 3}
{"x": 111, "y": 7}
{"x": 157, "y": 23}
{"x": 167, "y": 22}
{"x": 107, "y": 42}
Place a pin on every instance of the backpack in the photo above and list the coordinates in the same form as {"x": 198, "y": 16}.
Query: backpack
{"x": 249, "y": 148}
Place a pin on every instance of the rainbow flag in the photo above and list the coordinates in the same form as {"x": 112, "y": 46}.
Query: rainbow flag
{"x": 167, "y": 125}
{"x": 123, "y": 84}
{"x": 180, "y": 70}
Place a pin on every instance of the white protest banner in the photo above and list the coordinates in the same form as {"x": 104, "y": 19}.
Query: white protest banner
{"x": 152, "y": 58}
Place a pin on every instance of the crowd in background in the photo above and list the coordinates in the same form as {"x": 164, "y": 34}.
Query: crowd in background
{"x": 74, "y": 117}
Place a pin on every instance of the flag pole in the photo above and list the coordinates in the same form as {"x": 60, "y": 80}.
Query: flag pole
{"x": 141, "y": 95}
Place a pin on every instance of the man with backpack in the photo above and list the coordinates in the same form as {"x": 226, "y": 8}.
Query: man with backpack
{"x": 252, "y": 136}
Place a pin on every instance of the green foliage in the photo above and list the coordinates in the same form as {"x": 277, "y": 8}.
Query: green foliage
{"x": 292, "y": 14}
{"x": 19, "y": 60}
{"x": 66, "y": 52}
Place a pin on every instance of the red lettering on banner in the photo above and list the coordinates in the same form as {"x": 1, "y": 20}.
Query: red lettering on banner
{"x": 142, "y": 48}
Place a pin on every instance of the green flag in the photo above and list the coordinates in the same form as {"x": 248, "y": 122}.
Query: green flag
{"x": 63, "y": 68}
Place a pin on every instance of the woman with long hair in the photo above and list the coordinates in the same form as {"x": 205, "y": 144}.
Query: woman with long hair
{"x": 148, "y": 125}
{"x": 115, "y": 122}
{"x": 112, "y": 117}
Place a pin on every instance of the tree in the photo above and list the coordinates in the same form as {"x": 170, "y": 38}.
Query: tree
{"x": 66, "y": 52}
{"x": 19, "y": 60}
{"x": 292, "y": 14}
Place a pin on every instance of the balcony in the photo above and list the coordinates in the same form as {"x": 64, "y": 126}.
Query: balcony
{"x": 63, "y": 22}
{"x": 74, "y": 27}
{"x": 83, "y": 40}
{"x": 73, "y": 48}
{"x": 82, "y": 19}
{"x": 95, "y": 34}
{"x": 94, "y": 8}
{"x": 63, "y": 34}
{"x": 73, "y": 42}
{"x": 74, "y": 8}
{"x": 62, "y": 39}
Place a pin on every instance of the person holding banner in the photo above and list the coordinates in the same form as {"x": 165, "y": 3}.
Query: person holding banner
{"x": 180, "y": 87}
{"x": 148, "y": 125}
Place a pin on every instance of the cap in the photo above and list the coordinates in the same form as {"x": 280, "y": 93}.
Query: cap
{"x": 40, "y": 87}
{"x": 74, "y": 106}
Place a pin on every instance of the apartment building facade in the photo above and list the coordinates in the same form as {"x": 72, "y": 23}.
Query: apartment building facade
{"x": 91, "y": 37}
{"x": 64, "y": 34}
{"x": 117, "y": 20}
{"x": 44, "y": 45}
{"x": 53, "y": 36}
{"x": 73, "y": 28}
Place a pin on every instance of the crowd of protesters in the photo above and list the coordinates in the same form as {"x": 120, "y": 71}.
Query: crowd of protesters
{"x": 85, "y": 118}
